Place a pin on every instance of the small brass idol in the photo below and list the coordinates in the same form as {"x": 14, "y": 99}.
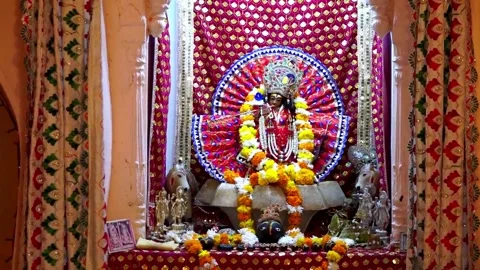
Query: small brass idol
{"x": 179, "y": 208}
{"x": 162, "y": 211}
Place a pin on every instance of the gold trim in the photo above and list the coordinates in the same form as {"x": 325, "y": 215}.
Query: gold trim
{"x": 185, "y": 80}
{"x": 364, "y": 52}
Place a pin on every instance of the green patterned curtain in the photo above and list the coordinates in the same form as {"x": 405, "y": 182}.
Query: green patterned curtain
{"x": 68, "y": 166}
{"x": 442, "y": 146}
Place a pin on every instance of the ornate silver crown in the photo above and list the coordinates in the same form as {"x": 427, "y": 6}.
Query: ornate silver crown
{"x": 282, "y": 77}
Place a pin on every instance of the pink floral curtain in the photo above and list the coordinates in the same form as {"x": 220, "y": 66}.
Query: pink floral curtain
{"x": 442, "y": 146}
{"x": 63, "y": 213}
{"x": 159, "y": 116}
{"x": 226, "y": 30}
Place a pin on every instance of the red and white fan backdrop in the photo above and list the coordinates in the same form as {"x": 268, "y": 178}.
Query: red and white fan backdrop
{"x": 226, "y": 30}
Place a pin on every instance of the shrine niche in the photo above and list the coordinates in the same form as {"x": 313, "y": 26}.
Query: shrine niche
{"x": 280, "y": 120}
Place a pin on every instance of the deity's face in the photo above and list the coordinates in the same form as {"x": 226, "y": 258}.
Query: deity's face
{"x": 275, "y": 100}
{"x": 270, "y": 231}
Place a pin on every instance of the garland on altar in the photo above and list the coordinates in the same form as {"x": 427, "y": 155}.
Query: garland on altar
{"x": 268, "y": 170}
{"x": 335, "y": 248}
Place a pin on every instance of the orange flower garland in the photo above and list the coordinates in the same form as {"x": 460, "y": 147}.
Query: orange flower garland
{"x": 268, "y": 171}
{"x": 194, "y": 247}
{"x": 333, "y": 256}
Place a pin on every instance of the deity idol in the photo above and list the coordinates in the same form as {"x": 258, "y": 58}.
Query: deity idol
{"x": 276, "y": 110}
{"x": 278, "y": 134}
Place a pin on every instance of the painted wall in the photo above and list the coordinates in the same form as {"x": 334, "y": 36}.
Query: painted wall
{"x": 13, "y": 80}
{"x": 12, "y": 72}
{"x": 9, "y": 163}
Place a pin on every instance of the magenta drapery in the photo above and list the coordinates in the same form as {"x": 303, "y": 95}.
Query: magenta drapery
{"x": 378, "y": 103}
{"x": 224, "y": 31}
{"x": 159, "y": 115}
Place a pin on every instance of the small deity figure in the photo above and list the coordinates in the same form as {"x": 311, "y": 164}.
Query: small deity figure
{"x": 179, "y": 206}
{"x": 381, "y": 212}
{"x": 364, "y": 212}
{"x": 162, "y": 210}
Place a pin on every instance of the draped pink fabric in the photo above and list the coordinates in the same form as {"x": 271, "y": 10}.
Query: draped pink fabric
{"x": 224, "y": 31}
{"x": 159, "y": 116}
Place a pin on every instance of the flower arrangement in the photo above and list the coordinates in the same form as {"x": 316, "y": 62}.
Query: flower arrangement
{"x": 287, "y": 176}
{"x": 336, "y": 248}
{"x": 206, "y": 261}
{"x": 193, "y": 245}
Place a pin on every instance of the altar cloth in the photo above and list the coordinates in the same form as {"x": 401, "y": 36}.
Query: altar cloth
{"x": 356, "y": 258}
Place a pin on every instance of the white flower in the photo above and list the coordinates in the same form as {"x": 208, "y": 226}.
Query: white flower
{"x": 248, "y": 123}
{"x": 294, "y": 209}
{"x": 286, "y": 240}
{"x": 299, "y": 99}
{"x": 300, "y": 122}
{"x": 212, "y": 233}
{"x": 348, "y": 241}
{"x": 188, "y": 235}
{"x": 173, "y": 236}
{"x": 333, "y": 266}
{"x": 240, "y": 183}
{"x": 255, "y": 102}
{"x": 248, "y": 238}
{"x": 302, "y": 111}
{"x": 251, "y": 143}
{"x": 262, "y": 163}
{"x": 307, "y": 161}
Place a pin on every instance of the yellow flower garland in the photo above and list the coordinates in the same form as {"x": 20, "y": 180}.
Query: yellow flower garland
{"x": 268, "y": 171}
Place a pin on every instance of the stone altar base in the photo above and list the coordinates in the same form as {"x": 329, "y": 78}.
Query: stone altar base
{"x": 316, "y": 197}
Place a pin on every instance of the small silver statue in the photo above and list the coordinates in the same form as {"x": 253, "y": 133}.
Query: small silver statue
{"x": 162, "y": 210}
{"x": 179, "y": 208}
{"x": 364, "y": 212}
{"x": 381, "y": 212}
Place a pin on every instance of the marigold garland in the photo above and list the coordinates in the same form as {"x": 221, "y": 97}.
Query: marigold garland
{"x": 333, "y": 256}
{"x": 193, "y": 246}
{"x": 268, "y": 171}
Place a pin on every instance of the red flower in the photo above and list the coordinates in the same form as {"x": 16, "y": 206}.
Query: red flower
{"x": 434, "y": 89}
{"x": 453, "y": 181}
{"x": 434, "y": 119}
{"x": 455, "y": 60}
{"x": 434, "y": 209}
{"x": 39, "y": 149}
{"x": 432, "y": 239}
{"x": 448, "y": 243}
{"x": 435, "y": 29}
{"x": 434, "y": 59}
{"x": 38, "y": 178}
{"x": 435, "y": 150}
{"x": 434, "y": 4}
{"x": 433, "y": 180}
{"x": 35, "y": 239}
{"x": 452, "y": 211}
{"x": 453, "y": 151}
{"x": 456, "y": 29}
{"x": 36, "y": 263}
{"x": 25, "y": 19}
{"x": 452, "y": 119}
{"x": 37, "y": 209}
{"x": 454, "y": 90}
